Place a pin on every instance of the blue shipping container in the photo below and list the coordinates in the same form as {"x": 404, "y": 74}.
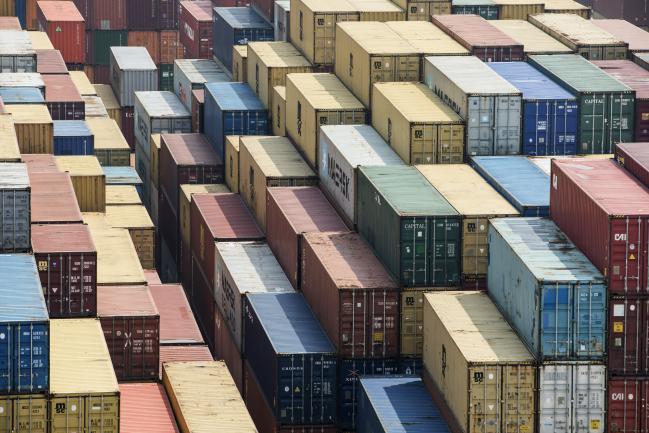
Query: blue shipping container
{"x": 123, "y": 176}
{"x": 517, "y": 179}
{"x": 232, "y": 109}
{"x": 550, "y": 293}
{"x": 291, "y": 357}
{"x": 237, "y": 26}
{"x": 24, "y": 327}
{"x": 397, "y": 405}
{"x": 21, "y": 95}
{"x": 21, "y": 13}
{"x": 550, "y": 113}
{"x": 73, "y": 137}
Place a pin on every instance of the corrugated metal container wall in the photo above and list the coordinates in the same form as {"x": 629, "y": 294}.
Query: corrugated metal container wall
{"x": 99, "y": 43}
{"x": 15, "y": 205}
{"x": 291, "y": 212}
{"x": 569, "y": 7}
{"x": 21, "y": 95}
{"x": 628, "y": 331}
{"x": 88, "y": 180}
{"x": 479, "y": 37}
{"x": 106, "y": 15}
{"x": 240, "y": 63}
{"x": 62, "y": 98}
{"x": 413, "y": 230}
{"x": 182, "y": 353}
{"x": 195, "y": 23}
{"x": 177, "y": 324}
{"x": 530, "y": 258}
{"x": 25, "y": 323}
{"x": 629, "y": 10}
{"x": 84, "y": 394}
{"x": 72, "y": 137}
{"x": 132, "y": 69}
{"x": 278, "y": 111}
{"x": 475, "y": 365}
{"x": 49, "y": 62}
{"x": 34, "y": 128}
{"x": 111, "y": 148}
{"x": 518, "y": 9}
{"x": 225, "y": 348}
{"x": 417, "y": 124}
{"x": 626, "y": 412}
{"x": 65, "y": 27}
{"x": 490, "y": 105}
{"x": 9, "y": 150}
{"x": 285, "y": 344}
{"x": 422, "y": 10}
{"x": 282, "y": 19}
{"x": 147, "y": 39}
{"x": 122, "y": 195}
{"x": 231, "y": 163}
{"x": 198, "y": 102}
{"x": 145, "y": 409}
{"x": 192, "y": 74}
{"x": 53, "y": 199}
{"x": 24, "y": 412}
{"x": 154, "y": 15}
{"x": 136, "y": 220}
{"x": 105, "y": 92}
{"x": 170, "y": 50}
{"x": 635, "y": 159}
{"x": 623, "y": 30}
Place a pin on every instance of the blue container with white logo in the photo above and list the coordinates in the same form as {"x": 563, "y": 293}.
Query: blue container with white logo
{"x": 73, "y": 137}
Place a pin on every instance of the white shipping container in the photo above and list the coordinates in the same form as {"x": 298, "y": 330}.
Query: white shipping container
{"x": 16, "y": 52}
{"x": 190, "y": 74}
{"x": 282, "y": 19}
{"x": 15, "y": 195}
{"x": 131, "y": 70}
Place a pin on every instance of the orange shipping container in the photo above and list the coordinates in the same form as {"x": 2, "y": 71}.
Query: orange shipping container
{"x": 149, "y": 40}
{"x": 170, "y": 47}
{"x": 145, "y": 409}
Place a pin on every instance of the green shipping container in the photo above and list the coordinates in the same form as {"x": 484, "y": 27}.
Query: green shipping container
{"x": 606, "y": 106}
{"x": 100, "y": 42}
{"x": 487, "y": 9}
{"x": 166, "y": 77}
{"x": 413, "y": 229}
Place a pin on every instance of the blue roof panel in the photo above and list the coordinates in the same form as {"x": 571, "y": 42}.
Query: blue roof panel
{"x": 121, "y": 176}
{"x": 234, "y": 96}
{"x": 534, "y": 84}
{"x": 21, "y": 293}
{"x": 21, "y": 95}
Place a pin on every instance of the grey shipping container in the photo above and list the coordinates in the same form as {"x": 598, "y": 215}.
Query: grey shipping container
{"x": 131, "y": 70}
{"x": 16, "y": 52}
{"x": 489, "y": 104}
{"x": 15, "y": 217}
{"x": 413, "y": 229}
{"x": 191, "y": 74}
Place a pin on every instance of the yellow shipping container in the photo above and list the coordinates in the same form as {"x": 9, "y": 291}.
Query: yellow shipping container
{"x": 422, "y": 10}
{"x": 94, "y": 107}
{"x": 232, "y": 162}
{"x": 88, "y": 180}
{"x": 154, "y": 151}
{"x": 269, "y": 63}
{"x": 567, "y": 7}
{"x": 318, "y": 99}
{"x": 534, "y": 40}
{"x": 84, "y": 395}
{"x": 417, "y": 124}
{"x": 34, "y": 127}
{"x": 40, "y": 40}
{"x": 412, "y": 319}
{"x": 476, "y": 363}
{"x": 9, "y": 149}
{"x": 137, "y": 221}
{"x": 378, "y": 10}
{"x": 105, "y": 92}
{"x": 111, "y": 148}
{"x": 266, "y": 161}
{"x": 428, "y": 39}
{"x": 82, "y": 83}
{"x": 117, "y": 195}
{"x": 7, "y": 9}
{"x": 23, "y": 413}
{"x": 518, "y": 9}
{"x": 278, "y": 111}
{"x": 186, "y": 193}
{"x": 239, "y": 63}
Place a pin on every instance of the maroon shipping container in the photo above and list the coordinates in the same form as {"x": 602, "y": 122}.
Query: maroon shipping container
{"x": 83, "y": 6}
{"x": 290, "y": 212}
{"x": 170, "y": 47}
{"x": 628, "y": 353}
{"x": 198, "y": 102}
{"x": 204, "y": 304}
{"x": 351, "y": 294}
{"x": 152, "y": 15}
{"x": 145, "y": 408}
{"x": 604, "y": 210}
{"x": 131, "y": 326}
{"x": 481, "y": 38}
{"x": 177, "y": 323}
{"x": 184, "y": 353}
{"x": 65, "y": 27}
{"x": 168, "y": 228}
{"x": 66, "y": 259}
{"x": 196, "y": 28}
{"x": 107, "y": 15}
{"x": 637, "y": 78}
{"x": 128, "y": 126}
{"x": 63, "y": 99}
{"x": 50, "y": 62}
{"x": 226, "y": 349}
{"x": 53, "y": 199}
{"x": 10, "y": 23}
{"x": 40, "y": 163}
{"x": 100, "y": 74}
{"x": 633, "y": 11}
{"x": 627, "y": 405}
{"x": 265, "y": 8}
{"x": 634, "y": 157}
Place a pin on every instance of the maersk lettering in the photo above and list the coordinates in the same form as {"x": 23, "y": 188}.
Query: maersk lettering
{"x": 339, "y": 177}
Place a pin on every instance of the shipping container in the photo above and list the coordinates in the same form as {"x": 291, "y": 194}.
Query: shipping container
{"x": 111, "y": 149}
{"x": 487, "y": 9}
{"x": 633, "y": 157}
{"x": 53, "y": 199}
{"x": 9, "y": 22}
{"x": 24, "y": 412}
{"x": 626, "y": 409}
{"x": 94, "y": 107}
{"x": 232, "y": 109}
{"x": 237, "y": 26}
{"x": 411, "y": 227}
{"x": 315, "y": 100}
{"x": 582, "y": 36}
{"x": 84, "y": 394}
{"x": 15, "y": 199}
{"x": 81, "y": 83}
{"x": 225, "y": 348}
{"x": 22, "y": 79}
{"x": 476, "y": 366}
{"x": 136, "y": 220}
{"x": 34, "y": 127}
{"x": 9, "y": 150}
{"x": 628, "y": 330}
{"x": 477, "y": 202}
{"x": 417, "y": 124}
{"x": 73, "y": 137}
{"x": 25, "y": 322}
{"x": 282, "y": 19}
{"x": 122, "y": 176}
{"x": 40, "y": 40}
{"x": 285, "y": 344}
{"x": 568, "y": 7}
{"x": 159, "y": 112}
{"x": 132, "y": 70}
{"x": 147, "y": 39}
{"x": 39, "y": 163}
{"x": 49, "y": 62}
{"x": 278, "y": 111}
{"x": 143, "y": 167}
{"x": 545, "y": 162}
{"x": 192, "y": 74}
{"x": 518, "y": 9}
{"x": 489, "y": 104}
{"x": 629, "y": 10}
{"x": 534, "y": 40}
{"x": 183, "y": 353}
{"x": 291, "y": 212}
{"x": 65, "y": 27}
{"x": 122, "y": 195}
{"x": 101, "y": 74}
{"x": 231, "y": 162}
{"x": 105, "y": 92}
{"x": 62, "y": 98}
{"x": 519, "y": 180}
{"x": 106, "y": 15}
{"x": 99, "y": 43}
{"x": 155, "y": 143}
{"x": 636, "y": 37}
{"x": 145, "y": 408}
{"x": 195, "y": 22}
{"x": 170, "y": 50}
{"x": 21, "y": 95}
{"x": 88, "y": 180}
{"x": 198, "y": 102}
{"x": 204, "y": 398}
{"x": 154, "y": 15}
{"x": 240, "y": 63}
{"x": 411, "y": 338}
{"x": 177, "y": 324}
{"x": 422, "y": 10}
{"x": 344, "y": 148}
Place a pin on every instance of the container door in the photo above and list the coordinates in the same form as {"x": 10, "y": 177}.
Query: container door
{"x": 29, "y": 415}
{"x": 412, "y": 322}
{"x": 444, "y": 252}
{"x": 627, "y": 325}
{"x": 474, "y": 246}
{"x": 414, "y": 251}
{"x": 32, "y": 366}
{"x": 589, "y": 398}
{"x": 564, "y": 127}
{"x": 484, "y": 394}
{"x": 627, "y": 256}
{"x": 143, "y": 339}
{"x": 507, "y": 124}
{"x": 450, "y": 149}
{"x": 625, "y": 405}
{"x": 116, "y": 333}
{"x": 555, "y": 395}
{"x": 479, "y": 126}
{"x": 6, "y": 358}
{"x": 621, "y": 109}
{"x": 423, "y": 144}
{"x": 590, "y": 321}
{"x": 102, "y": 414}
{"x": 593, "y": 124}
{"x": 518, "y": 395}
{"x": 67, "y": 414}
{"x": 556, "y": 321}
{"x": 536, "y": 128}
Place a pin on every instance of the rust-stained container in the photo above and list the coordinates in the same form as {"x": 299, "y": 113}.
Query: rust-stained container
{"x": 604, "y": 210}
{"x": 351, "y": 294}
{"x": 65, "y": 27}
{"x": 291, "y": 212}
{"x": 277, "y": 111}
{"x": 66, "y": 259}
{"x": 122, "y": 195}
{"x": 105, "y": 92}
{"x": 50, "y": 62}
{"x": 182, "y": 353}
{"x": 518, "y": 9}
{"x": 627, "y": 411}
{"x": 198, "y": 101}
{"x": 417, "y": 124}
{"x": 195, "y": 21}
{"x": 145, "y": 408}
{"x": 637, "y": 38}
{"x": 177, "y": 324}
{"x": 52, "y": 198}
{"x": 34, "y": 127}
{"x": 170, "y": 47}
{"x": 628, "y": 351}
{"x": 481, "y": 38}
{"x": 422, "y": 10}
{"x": 88, "y": 180}
{"x": 111, "y": 148}
{"x": 136, "y": 220}
{"x": 147, "y": 39}
{"x": 63, "y": 99}
{"x": 131, "y": 325}
{"x": 106, "y": 15}
{"x": 240, "y": 63}
{"x": 231, "y": 163}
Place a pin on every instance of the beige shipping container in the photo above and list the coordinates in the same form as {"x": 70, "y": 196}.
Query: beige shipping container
{"x": 84, "y": 395}
{"x": 82, "y": 83}
{"x": 122, "y": 195}
{"x": 278, "y": 111}
{"x": 232, "y": 162}
{"x": 534, "y": 40}
{"x": 40, "y": 41}
{"x": 318, "y": 99}
{"x": 370, "y": 52}
{"x": 266, "y": 161}
{"x": 240, "y": 63}
{"x": 412, "y": 319}
{"x": 428, "y": 39}
{"x": 23, "y": 413}
{"x": 34, "y": 127}
{"x": 477, "y": 364}
{"x": 567, "y": 7}
{"x": 422, "y": 10}
{"x": 137, "y": 221}
{"x": 582, "y": 36}
{"x": 518, "y": 9}
{"x": 88, "y": 180}
{"x": 9, "y": 149}
{"x": 186, "y": 193}
{"x": 378, "y": 10}
{"x": 111, "y": 148}
{"x": 205, "y": 399}
{"x": 105, "y": 92}
{"x": 154, "y": 145}
{"x": 417, "y": 124}
{"x": 269, "y": 63}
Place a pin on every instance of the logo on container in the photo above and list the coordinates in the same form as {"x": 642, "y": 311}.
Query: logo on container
{"x": 189, "y": 31}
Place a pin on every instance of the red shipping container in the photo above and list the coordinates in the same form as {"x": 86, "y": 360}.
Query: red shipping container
{"x": 10, "y": 23}
{"x": 65, "y": 27}
{"x": 627, "y": 405}
{"x": 226, "y": 349}
{"x": 40, "y": 163}
{"x": 290, "y": 212}
{"x": 66, "y": 259}
{"x": 628, "y": 353}
{"x": 196, "y": 28}
{"x": 605, "y": 211}
{"x": 351, "y": 294}
{"x": 50, "y": 62}
{"x": 479, "y": 37}
{"x": 128, "y": 124}
{"x": 152, "y": 277}
{"x": 170, "y": 47}
{"x": 107, "y": 15}
{"x": 152, "y": 15}
{"x": 53, "y": 199}
{"x": 145, "y": 408}
{"x": 131, "y": 326}
{"x": 63, "y": 99}
{"x": 634, "y": 157}
{"x": 177, "y": 323}
{"x": 168, "y": 14}
{"x": 198, "y": 102}
{"x": 147, "y": 39}
{"x": 184, "y": 353}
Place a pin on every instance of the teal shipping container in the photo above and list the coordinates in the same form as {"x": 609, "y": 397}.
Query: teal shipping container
{"x": 166, "y": 79}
